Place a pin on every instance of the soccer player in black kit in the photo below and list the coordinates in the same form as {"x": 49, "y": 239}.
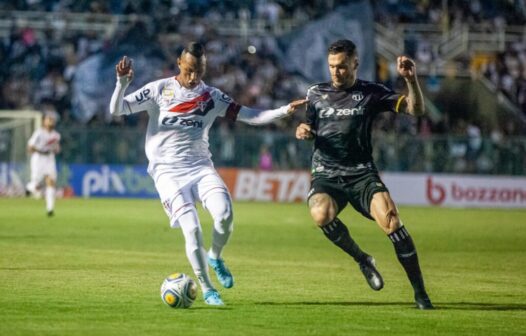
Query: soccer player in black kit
{"x": 340, "y": 115}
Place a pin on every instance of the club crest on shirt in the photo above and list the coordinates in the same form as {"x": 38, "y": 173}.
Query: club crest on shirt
{"x": 357, "y": 95}
{"x": 167, "y": 93}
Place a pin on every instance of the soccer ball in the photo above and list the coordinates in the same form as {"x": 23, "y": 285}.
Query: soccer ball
{"x": 178, "y": 291}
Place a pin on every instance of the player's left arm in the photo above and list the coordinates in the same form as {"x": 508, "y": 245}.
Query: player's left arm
{"x": 234, "y": 111}
{"x": 413, "y": 103}
{"x": 57, "y": 148}
{"x": 253, "y": 116}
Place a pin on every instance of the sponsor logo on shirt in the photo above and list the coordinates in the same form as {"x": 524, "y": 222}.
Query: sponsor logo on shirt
{"x": 225, "y": 98}
{"x": 177, "y": 121}
{"x": 143, "y": 96}
{"x": 332, "y": 112}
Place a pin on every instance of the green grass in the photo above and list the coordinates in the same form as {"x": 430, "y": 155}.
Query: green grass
{"x": 96, "y": 268}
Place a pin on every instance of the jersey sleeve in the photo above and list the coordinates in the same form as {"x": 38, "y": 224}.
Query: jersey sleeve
{"x": 310, "y": 114}
{"x": 387, "y": 99}
{"x": 143, "y": 99}
{"x": 33, "y": 140}
{"x": 226, "y": 106}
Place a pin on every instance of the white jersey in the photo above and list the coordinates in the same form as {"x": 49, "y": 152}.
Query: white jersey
{"x": 180, "y": 118}
{"x": 44, "y": 141}
{"x": 43, "y": 160}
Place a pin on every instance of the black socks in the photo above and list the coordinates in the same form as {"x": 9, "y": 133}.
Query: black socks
{"x": 406, "y": 253}
{"x": 338, "y": 233}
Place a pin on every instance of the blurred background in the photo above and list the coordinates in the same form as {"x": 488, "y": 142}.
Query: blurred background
{"x": 59, "y": 55}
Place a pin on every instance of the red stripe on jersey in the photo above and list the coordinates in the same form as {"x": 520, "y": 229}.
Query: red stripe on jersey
{"x": 232, "y": 111}
{"x": 191, "y": 104}
{"x": 51, "y": 141}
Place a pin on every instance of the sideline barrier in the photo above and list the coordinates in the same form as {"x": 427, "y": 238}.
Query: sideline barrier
{"x": 132, "y": 181}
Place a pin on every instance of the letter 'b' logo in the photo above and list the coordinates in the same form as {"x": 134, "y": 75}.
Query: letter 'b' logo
{"x": 435, "y": 192}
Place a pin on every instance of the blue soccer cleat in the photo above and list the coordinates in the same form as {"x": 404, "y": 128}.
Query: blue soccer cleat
{"x": 223, "y": 273}
{"x": 213, "y": 298}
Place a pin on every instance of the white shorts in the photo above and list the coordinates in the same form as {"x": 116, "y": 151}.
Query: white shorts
{"x": 42, "y": 166}
{"x": 179, "y": 192}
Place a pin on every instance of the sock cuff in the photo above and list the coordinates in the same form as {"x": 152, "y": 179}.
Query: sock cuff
{"x": 399, "y": 235}
{"x": 332, "y": 226}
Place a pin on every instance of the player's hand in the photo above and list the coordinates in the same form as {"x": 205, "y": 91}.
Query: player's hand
{"x": 124, "y": 69}
{"x": 304, "y": 132}
{"x": 406, "y": 67}
{"x": 297, "y": 105}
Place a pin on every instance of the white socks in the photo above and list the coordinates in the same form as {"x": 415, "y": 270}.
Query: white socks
{"x": 195, "y": 251}
{"x": 50, "y": 198}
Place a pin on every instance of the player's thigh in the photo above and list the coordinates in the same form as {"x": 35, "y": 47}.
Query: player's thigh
{"x": 176, "y": 196}
{"x": 38, "y": 172}
{"x": 50, "y": 180}
{"x": 48, "y": 169}
{"x": 326, "y": 199}
{"x": 210, "y": 183}
{"x": 384, "y": 212}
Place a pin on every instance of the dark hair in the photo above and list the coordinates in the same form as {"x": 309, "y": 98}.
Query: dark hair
{"x": 346, "y": 46}
{"x": 194, "y": 48}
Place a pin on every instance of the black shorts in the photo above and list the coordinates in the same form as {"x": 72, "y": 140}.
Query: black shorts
{"x": 357, "y": 190}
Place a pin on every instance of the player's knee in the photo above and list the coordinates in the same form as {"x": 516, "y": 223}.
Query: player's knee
{"x": 322, "y": 215}
{"x": 223, "y": 216}
{"x": 225, "y": 220}
{"x": 393, "y": 222}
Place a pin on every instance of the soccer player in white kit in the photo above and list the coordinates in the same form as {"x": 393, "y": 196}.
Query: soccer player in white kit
{"x": 181, "y": 111}
{"x": 43, "y": 145}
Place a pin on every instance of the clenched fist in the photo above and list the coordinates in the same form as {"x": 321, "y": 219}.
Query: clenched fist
{"x": 304, "y": 132}
{"x": 124, "y": 69}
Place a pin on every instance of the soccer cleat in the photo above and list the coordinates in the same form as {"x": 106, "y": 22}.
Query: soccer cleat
{"x": 223, "y": 273}
{"x": 423, "y": 302}
{"x": 371, "y": 274}
{"x": 213, "y": 298}
{"x": 50, "y": 213}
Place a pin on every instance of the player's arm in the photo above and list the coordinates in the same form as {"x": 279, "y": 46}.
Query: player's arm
{"x": 304, "y": 131}
{"x": 32, "y": 145}
{"x": 413, "y": 103}
{"x": 253, "y": 116}
{"x": 33, "y": 149}
{"x": 57, "y": 148}
{"x": 136, "y": 102}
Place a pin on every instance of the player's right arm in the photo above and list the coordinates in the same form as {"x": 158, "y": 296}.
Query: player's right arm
{"x": 305, "y": 130}
{"x": 32, "y": 144}
{"x": 140, "y": 100}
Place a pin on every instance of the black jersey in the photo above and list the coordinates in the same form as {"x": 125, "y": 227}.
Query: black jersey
{"x": 341, "y": 121}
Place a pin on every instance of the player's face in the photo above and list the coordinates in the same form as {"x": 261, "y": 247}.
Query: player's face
{"x": 49, "y": 122}
{"x": 343, "y": 69}
{"x": 191, "y": 70}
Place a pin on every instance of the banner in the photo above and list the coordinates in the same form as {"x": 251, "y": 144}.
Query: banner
{"x": 278, "y": 186}
{"x": 457, "y": 190}
{"x": 305, "y": 50}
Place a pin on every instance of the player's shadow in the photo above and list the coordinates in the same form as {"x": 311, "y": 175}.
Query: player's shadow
{"x": 480, "y": 306}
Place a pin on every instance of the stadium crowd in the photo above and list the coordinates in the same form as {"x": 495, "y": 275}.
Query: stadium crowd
{"x": 39, "y": 66}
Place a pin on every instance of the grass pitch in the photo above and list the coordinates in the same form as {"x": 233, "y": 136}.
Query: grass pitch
{"x": 96, "y": 268}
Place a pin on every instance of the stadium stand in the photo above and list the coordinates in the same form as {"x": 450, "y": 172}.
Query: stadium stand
{"x": 44, "y": 42}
